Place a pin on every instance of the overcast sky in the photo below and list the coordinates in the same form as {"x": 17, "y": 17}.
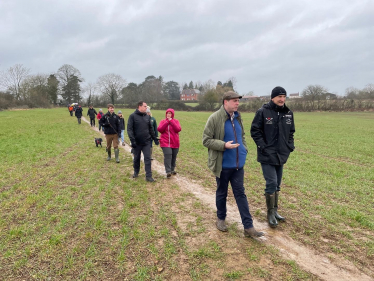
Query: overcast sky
{"x": 263, "y": 44}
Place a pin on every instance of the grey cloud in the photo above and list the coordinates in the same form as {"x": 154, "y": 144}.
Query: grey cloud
{"x": 261, "y": 43}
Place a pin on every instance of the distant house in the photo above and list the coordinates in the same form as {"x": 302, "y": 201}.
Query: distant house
{"x": 249, "y": 98}
{"x": 190, "y": 94}
{"x": 295, "y": 96}
{"x": 268, "y": 97}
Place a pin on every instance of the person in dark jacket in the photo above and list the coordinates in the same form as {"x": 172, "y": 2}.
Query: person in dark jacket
{"x": 122, "y": 127}
{"x": 92, "y": 112}
{"x": 154, "y": 126}
{"x": 110, "y": 123}
{"x": 78, "y": 113}
{"x": 273, "y": 131}
{"x": 140, "y": 132}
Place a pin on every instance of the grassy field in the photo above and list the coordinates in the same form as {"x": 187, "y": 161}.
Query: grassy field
{"x": 66, "y": 213}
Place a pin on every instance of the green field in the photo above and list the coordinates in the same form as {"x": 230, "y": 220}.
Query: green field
{"x": 66, "y": 213}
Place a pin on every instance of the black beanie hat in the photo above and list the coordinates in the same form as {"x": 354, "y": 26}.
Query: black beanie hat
{"x": 278, "y": 91}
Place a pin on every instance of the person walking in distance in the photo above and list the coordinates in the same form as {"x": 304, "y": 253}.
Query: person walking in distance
{"x": 169, "y": 141}
{"x": 122, "y": 128}
{"x": 227, "y": 149}
{"x": 140, "y": 132}
{"x": 71, "y": 110}
{"x": 99, "y": 115}
{"x": 154, "y": 126}
{"x": 92, "y": 112}
{"x": 273, "y": 131}
{"x": 111, "y": 126}
{"x": 79, "y": 113}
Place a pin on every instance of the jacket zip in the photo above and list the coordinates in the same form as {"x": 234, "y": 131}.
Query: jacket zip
{"x": 236, "y": 141}
{"x": 169, "y": 134}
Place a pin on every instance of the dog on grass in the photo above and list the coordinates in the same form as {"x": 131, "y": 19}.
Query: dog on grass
{"x": 98, "y": 142}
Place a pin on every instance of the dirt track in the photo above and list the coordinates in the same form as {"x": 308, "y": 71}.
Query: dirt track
{"x": 315, "y": 263}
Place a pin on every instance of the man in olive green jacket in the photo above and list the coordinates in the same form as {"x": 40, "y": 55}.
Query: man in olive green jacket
{"x": 227, "y": 149}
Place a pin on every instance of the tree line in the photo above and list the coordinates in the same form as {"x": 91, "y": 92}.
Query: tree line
{"x": 20, "y": 88}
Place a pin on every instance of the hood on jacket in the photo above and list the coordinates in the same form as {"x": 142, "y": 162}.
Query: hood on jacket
{"x": 170, "y": 110}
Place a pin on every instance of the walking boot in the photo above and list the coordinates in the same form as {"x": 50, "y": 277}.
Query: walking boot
{"x": 270, "y": 199}
{"x": 149, "y": 179}
{"x": 221, "y": 225}
{"x": 277, "y": 216}
{"x": 109, "y": 154}
{"x": 252, "y": 232}
{"x": 116, "y": 153}
{"x": 151, "y": 153}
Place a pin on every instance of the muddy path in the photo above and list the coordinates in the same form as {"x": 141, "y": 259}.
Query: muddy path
{"x": 308, "y": 259}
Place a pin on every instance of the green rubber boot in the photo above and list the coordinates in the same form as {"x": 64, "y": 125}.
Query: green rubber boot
{"x": 277, "y": 216}
{"x": 270, "y": 201}
{"x": 116, "y": 153}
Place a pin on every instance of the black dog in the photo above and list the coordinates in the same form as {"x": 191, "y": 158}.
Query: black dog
{"x": 98, "y": 141}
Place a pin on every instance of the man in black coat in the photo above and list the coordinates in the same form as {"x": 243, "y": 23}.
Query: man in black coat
{"x": 140, "y": 132}
{"x": 272, "y": 130}
{"x": 112, "y": 131}
{"x": 92, "y": 112}
{"x": 78, "y": 113}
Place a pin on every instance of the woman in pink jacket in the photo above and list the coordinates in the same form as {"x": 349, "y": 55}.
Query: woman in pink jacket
{"x": 169, "y": 141}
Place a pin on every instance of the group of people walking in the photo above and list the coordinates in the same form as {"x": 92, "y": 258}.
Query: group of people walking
{"x": 142, "y": 132}
{"x": 272, "y": 130}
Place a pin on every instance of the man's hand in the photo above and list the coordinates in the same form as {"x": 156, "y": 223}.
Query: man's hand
{"x": 230, "y": 145}
{"x": 133, "y": 144}
{"x": 156, "y": 142}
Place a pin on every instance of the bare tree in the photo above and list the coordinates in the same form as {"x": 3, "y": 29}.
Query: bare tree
{"x": 34, "y": 91}
{"x": 315, "y": 93}
{"x": 12, "y": 78}
{"x": 111, "y": 85}
{"x": 66, "y": 72}
{"x": 90, "y": 90}
{"x": 368, "y": 91}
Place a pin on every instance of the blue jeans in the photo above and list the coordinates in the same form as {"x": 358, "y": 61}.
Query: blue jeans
{"x": 273, "y": 177}
{"x": 236, "y": 179}
{"x": 122, "y": 138}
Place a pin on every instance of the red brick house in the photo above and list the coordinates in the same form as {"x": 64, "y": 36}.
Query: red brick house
{"x": 190, "y": 94}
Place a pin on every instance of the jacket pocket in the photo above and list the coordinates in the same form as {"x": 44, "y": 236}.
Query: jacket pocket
{"x": 291, "y": 146}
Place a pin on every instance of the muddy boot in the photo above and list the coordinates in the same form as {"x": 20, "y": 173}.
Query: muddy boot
{"x": 109, "y": 154}
{"x": 252, "y": 232}
{"x": 151, "y": 153}
{"x": 149, "y": 179}
{"x": 270, "y": 199}
{"x": 277, "y": 216}
{"x": 221, "y": 225}
{"x": 116, "y": 153}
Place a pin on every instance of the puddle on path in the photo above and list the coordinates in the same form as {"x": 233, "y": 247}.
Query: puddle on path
{"x": 307, "y": 259}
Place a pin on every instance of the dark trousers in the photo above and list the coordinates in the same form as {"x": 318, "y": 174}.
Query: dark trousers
{"x": 71, "y": 113}
{"x": 236, "y": 179}
{"x": 146, "y": 149}
{"x": 100, "y": 127}
{"x": 273, "y": 177}
{"x": 79, "y": 120}
{"x": 170, "y": 158}
{"x": 92, "y": 122}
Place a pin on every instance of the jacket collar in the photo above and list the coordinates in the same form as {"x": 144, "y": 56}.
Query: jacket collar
{"x": 276, "y": 108}
{"x": 140, "y": 113}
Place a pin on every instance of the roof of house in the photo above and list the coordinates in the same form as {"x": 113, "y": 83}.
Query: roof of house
{"x": 190, "y": 91}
